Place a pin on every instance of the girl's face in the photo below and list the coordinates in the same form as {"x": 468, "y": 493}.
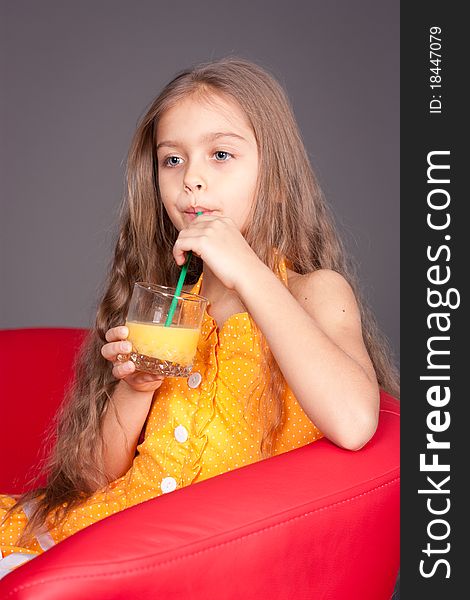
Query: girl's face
{"x": 207, "y": 160}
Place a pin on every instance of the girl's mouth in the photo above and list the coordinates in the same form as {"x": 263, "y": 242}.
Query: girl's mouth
{"x": 193, "y": 215}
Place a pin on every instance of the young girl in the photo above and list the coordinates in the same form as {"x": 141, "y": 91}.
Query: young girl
{"x": 287, "y": 354}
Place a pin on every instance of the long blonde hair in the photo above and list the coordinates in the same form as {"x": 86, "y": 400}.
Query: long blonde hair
{"x": 288, "y": 199}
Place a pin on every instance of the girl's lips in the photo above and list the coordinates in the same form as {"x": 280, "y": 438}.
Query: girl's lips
{"x": 193, "y": 215}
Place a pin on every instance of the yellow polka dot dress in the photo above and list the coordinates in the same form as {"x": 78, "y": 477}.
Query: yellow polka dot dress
{"x": 197, "y": 428}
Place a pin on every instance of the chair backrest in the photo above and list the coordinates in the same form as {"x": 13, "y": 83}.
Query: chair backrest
{"x": 37, "y": 366}
{"x": 318, "y": 520}
{"x": 314, "y": 522}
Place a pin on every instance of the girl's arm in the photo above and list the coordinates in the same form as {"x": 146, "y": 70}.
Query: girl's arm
{"x": 315, "y": 336}
{"x": 122, "y": 424}
{"x": 128, "y": 407}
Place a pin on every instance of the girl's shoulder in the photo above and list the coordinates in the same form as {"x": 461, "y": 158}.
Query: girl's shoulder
{"x": 330, "y": 300}
{"x": 323, "y": 289}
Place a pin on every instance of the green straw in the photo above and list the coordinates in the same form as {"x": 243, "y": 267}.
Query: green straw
{"x": 179, "y": 285}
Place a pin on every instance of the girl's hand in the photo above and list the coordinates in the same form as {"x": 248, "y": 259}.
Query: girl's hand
{"x": 221, "y": 246}
{"x": 126, "y": 371}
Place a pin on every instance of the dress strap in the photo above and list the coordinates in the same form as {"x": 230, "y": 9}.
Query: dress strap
{"x": 44, "y": 538}
{"x": 10, "y": 562}
{"x": 283, "y": 269}
{"x": 197, "y": 286}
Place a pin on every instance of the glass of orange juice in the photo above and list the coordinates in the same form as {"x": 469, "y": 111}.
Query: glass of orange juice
{"x": 156, "y": 348}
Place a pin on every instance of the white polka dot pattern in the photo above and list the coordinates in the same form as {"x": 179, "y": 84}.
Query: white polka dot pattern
{"x": 219, "y": 434}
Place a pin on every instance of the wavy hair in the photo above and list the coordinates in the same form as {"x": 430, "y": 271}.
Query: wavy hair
{"x": 288, "y": 197}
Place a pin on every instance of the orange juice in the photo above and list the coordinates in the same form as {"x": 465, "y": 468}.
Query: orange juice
{"x": 174, "y": 344}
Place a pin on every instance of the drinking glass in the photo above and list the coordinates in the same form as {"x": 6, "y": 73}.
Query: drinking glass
{"x": 156, "y": 348}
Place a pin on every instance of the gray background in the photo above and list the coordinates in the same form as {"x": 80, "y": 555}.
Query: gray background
{"x": 76, "y": 77}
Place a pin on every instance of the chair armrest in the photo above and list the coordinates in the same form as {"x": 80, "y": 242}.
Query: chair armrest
{"x": 315, "y": 522}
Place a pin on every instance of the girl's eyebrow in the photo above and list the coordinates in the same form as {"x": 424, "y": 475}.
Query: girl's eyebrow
{"x": 209, "y": 137}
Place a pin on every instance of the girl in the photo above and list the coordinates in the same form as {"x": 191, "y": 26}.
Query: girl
{"x": 287, "y": 354}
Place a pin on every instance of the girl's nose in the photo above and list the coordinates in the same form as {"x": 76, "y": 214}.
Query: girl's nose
{"x": 191, "y": 188}
{"x": 194, "y": 178}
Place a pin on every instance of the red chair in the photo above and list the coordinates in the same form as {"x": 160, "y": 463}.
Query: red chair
{"x": 315, "y": 522}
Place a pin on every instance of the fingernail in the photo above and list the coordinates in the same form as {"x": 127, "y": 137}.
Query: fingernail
{"x": 126, "y": 346}
{"x": 124, "y": 331}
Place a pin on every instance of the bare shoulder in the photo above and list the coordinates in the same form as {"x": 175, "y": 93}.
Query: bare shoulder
{"x": 324, "y": 288}
{"x": 330, "y": 300}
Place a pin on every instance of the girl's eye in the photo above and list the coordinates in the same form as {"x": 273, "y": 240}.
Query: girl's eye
{"x": 167, "y": 162}
{"x": 171, "y": 161}
{"x": 223, "y": 152}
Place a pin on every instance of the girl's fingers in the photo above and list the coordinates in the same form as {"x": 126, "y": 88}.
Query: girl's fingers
{"x": 195, "y": 236}
{"x": 183, "y": 246}
{"x": 117, "y": 333}
{"x": 112, "y": 350}
{"x": 121, "y": 370}
{"x": 134, "y": 377}
{"x": 117, "y": 351}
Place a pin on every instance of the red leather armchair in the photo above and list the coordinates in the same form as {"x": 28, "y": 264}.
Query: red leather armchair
{"x": 317, "y": 522}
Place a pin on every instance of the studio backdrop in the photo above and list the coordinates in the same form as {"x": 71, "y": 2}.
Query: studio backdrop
{"x": 77, "y": 76}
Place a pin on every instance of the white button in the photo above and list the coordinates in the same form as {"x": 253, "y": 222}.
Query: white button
{"x": 168, "y": 484}
{"x": 194, "y": 379}
{"x": 181, "y": 433}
